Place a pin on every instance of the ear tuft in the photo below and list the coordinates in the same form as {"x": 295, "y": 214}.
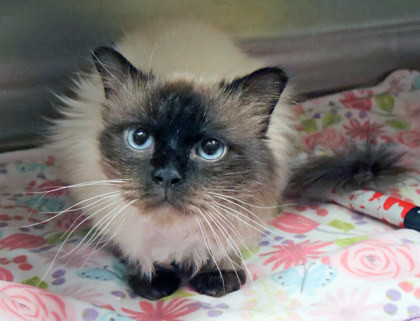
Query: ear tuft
{"x": 263, "y": 86}
{"x": 115, "y": 70}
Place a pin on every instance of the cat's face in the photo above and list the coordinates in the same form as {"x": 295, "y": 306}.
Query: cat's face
{"x": 184, "y": 146}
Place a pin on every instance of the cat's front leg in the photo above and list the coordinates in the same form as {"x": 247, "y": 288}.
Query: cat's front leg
{"x": 218, "y": 281}
{"x": 162, "y": 283}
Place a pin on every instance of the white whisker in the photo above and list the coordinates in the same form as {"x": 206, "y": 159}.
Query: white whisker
{"x": 93, "y": 228}
{"x": 228, "y": 210}
{"x": 71, "y": 208}
{"x": 248, "y": 204}
{"x": 104, "y": 231}
{"x": 118, "y": 230}
{"x": 84, "y": 184}
{"x": 261, "y": 223}
{"x": 233, "y": 246}
{"x": 218, "y": 242}
{"x": 64, "y": 242}
{"x": 203, "y": 233}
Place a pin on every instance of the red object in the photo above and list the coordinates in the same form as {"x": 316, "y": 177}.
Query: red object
{"x": 294, "y": 223}
{"x": 25, "y": 266}
{"x": 5, "y": 275}
{"x": 350, "y": 100}
{"x": 22, "y": 241}
{"x": 20, "y": 259}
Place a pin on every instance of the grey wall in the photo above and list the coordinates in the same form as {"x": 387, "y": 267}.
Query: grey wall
{"x": 325, "y": 44}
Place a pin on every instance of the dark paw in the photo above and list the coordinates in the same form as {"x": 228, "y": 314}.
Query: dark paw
{"x": 163, "y": 283}
{"x": 210, "y": 283}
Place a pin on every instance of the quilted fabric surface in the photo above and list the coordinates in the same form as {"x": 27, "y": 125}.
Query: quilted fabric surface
{"x": 321, "y": 262}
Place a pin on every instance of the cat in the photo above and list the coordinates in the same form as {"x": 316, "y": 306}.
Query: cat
{"x": 178, "y": 147}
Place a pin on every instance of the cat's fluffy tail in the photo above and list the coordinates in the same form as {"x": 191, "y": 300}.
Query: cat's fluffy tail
{"x": 375, "y": 167}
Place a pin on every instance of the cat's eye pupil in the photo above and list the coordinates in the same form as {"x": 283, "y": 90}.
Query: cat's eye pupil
{"x": 210, "y": 146}
{"x": 139, "y": 139}
{"x": 140, "y": 136}
{"x": 210, "y": 149}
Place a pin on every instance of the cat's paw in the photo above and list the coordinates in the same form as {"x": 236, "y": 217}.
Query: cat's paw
{"x": 163, "y": 283}
{"x": 211, "y": 283}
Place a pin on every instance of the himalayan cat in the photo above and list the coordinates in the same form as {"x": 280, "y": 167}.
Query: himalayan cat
{"x": 177, "y": 146}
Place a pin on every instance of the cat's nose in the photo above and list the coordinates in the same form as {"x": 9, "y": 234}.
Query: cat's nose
{"x": 167, "y": 177}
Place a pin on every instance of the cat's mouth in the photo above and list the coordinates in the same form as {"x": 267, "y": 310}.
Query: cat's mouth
{"x": 165, "y": 209}
{"x": 166, "y": 204}
{"x": 166, "y": 198}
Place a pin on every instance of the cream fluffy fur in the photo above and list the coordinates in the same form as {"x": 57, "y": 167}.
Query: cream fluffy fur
{"x": 179, "y": 50}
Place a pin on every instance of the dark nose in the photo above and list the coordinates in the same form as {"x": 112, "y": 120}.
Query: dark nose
{"x": 167, "y": 177}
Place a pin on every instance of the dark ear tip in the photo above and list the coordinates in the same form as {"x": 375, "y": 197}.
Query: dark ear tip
{"x": 282, "y": 77}
{"x": 277, "y": 72}
{"x": 275, "y": 76}
{"x": 267, "y": 78}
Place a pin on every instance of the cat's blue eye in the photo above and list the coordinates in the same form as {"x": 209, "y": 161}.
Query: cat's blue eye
{"x": 210, "y": 149}
{"x": 139, "y": 138}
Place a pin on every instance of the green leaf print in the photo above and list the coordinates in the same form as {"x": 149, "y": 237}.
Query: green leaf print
{"x": 179, "y": 294}
{"x": 350, "y": 241}
{"x": 309, "y": 125}
{"x": 249, "y": 252}
{"x": 56, "y": 238}
{"x": 398, "y": 124}
{"x": 36, "y": 281}
{"x": 59, "y": 237}
{"x": 386, "y": 102}
{"x": 330, "y": 119}
{"x": 341, "y": 225}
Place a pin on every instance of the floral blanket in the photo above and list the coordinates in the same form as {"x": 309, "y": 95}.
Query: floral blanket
{"x": 321, "y": 262}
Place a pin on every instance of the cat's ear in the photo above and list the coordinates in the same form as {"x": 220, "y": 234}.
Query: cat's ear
{"x": 115, "y": 70}
{"x": 261, "y": 88}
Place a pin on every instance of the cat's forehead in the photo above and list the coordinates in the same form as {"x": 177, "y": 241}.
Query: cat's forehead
{"x": 181, "y": 108}
{"x": 178, "y": 111}
{"x": 177, "y": 103}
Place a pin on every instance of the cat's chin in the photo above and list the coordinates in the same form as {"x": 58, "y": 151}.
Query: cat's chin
{"x": 166, "y": 210}
{"x": 166, "y": 215}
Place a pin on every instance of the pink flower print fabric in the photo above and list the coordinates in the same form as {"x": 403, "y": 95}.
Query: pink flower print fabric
{"x": 318, "y": 262}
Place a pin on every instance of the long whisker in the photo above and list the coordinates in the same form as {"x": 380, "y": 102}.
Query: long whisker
{"x": 118, "y": 230}
{"x": 228, "y": 210}
{"x": 251, "y": 205}
{"x": 233, "y": 246}
{"x": 92, "y": 206}
{"x": 69, "y": 235}
{"x": 64, "y": 242}
{"x": 219, "y": 227}
{"x": 103, "y": 231}
{"x": 261, "y": 223}
{"x": 93, "y": 227}
{"x": 238, "y": 236}
{"x": 232, "y": 212}
{"x": 84, "y": 184}
{"x": 218, "y": 242}
{"x": 231, "y": 225}
{"x": 203, "y": 233}
{"x": 72, "y": 208}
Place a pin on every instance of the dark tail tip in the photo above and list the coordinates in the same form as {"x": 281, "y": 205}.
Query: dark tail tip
{"x": 376, "y": 167}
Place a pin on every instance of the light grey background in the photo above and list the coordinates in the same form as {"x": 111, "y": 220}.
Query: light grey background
{"x": 324, "y": 44}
